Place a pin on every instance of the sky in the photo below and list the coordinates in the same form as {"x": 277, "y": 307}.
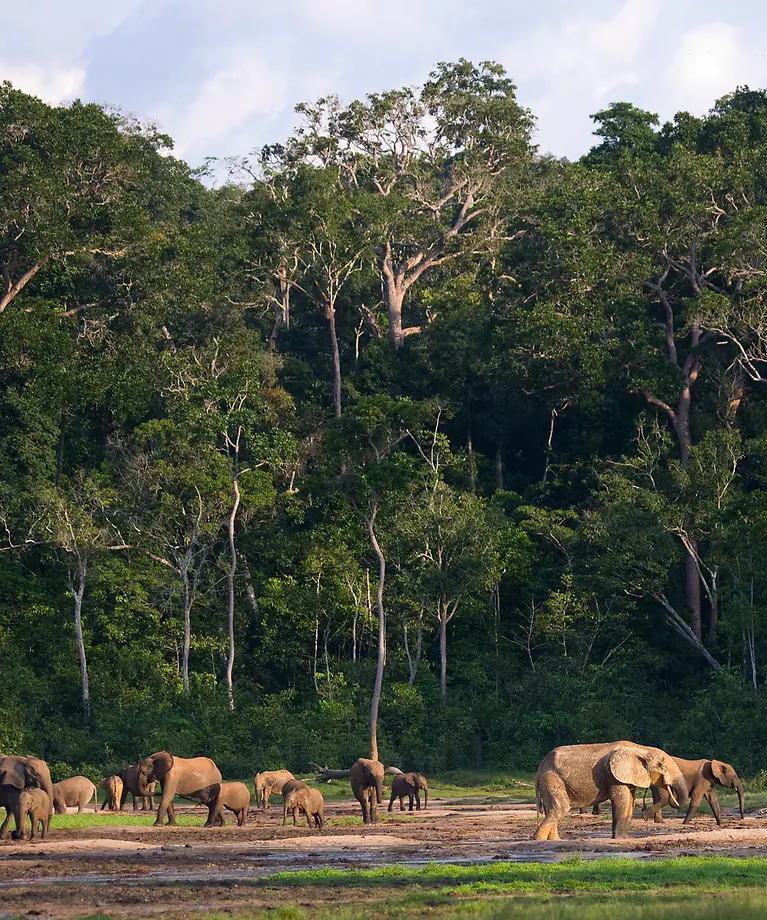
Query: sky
{"x": 222, "y": 76}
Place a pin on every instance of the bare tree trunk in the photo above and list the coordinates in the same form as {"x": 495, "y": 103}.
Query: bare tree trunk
{"x": 330, "y": 315}
{"x": 499, "y": 468}
{"x": 370, "y": 522}
{"x": 249, "y": 589}
{"x": 230, "y": 594}
{"x": 187, "y": 602}
{"x": 472, "y": 466}
{"x": 443, "y": 654}
{"x": 78, "y": 591}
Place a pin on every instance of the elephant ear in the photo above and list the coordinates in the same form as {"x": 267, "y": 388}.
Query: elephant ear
{"x": 720, "y": 771}
{"x": 628, "y": 769}
{"x": 12, "y": 774}
{"x": 162, "y": 764}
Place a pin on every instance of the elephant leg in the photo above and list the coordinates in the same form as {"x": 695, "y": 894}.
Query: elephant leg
{"x": 391, "y": 801}
{"x": 597, "y": 809}
{"x": 267, "y": 794}
{"x": 417, "y": 801}
{"x": 309, "y": 817}
{"x": 556, "y": 804}
{"x": 241, "y": 817}
{"x": 402, "y": 803}
{"x": 713, "y": 802}
{"x": 410, "y": 801}
{"x": 622, "y": 799}
{"x": 696, "y": 797}
{"x": 655, "y": 811}
{"x": 365, "y": 810}
{"x": 295, "y": 816}
{"x": 211, "y": 820}
{"x": 166, "y": 806}
{"x": 373, "y": 807}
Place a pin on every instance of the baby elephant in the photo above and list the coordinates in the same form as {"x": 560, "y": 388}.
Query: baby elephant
{"x": 297, "y": 796}
{"x": 410, "y": 785}
{"x": 35, "y": 805}
{"x": 113, "y": 786}
{"x": 77, "y": 790}
{"x": 234, "y": 796}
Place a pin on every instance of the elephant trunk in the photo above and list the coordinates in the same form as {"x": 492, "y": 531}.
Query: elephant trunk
{"x": 143, "y": 785}
{"x": 425, "y": 796}
{"x": 379, "y": 789}
{"x": 741, "y": 802}
{"x": 677, "y": 792}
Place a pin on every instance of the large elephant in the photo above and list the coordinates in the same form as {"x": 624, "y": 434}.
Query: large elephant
{"x": 409, "y": 785}
{"x": 579, "y": 775}
{"x": 17, "y": 773}
{"x": 367, "y": 785}
{"x": 129, "y": 776}
{"x": 177, "y": 776}
{"x": 269, "y": 783}
{"x": 701, "y": 777}
{"x": 77, "y": 790}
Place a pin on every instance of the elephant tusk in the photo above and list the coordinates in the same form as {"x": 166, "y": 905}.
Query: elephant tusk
{"x": 672, "y": 798}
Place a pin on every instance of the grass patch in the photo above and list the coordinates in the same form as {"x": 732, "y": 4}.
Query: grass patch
{"x": 711, "y": 873}
{"x": 111, "y": 819}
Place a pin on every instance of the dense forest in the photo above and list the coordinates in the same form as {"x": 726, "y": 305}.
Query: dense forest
{"x": 402, "y": 408}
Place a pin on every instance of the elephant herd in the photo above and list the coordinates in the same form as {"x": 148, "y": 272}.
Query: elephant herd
{"x": 575, "y": 776}
{"x": 27, "y": 793}
{"x": 585, "y": 775}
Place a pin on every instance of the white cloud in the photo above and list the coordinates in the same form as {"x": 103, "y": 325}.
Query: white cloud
{"x": 53, "y": 85}
{"x": 247, "y": 86}
{"x": 712, "y": 60}
{"x": 567, "y": 71}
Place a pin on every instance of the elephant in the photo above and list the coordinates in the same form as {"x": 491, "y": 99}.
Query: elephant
{"x": 367, "y": 786}
{"x": 234, "y": 796}
{"x": 269, "y": 783}
{"x": 579, "y": 775}
{"x": 77, "y": 790}
{"x": 183, "y": 776}
{"x": 113, "y": 786}
{"x": 297, "y": 796}
{"x": 410, "y": 785}
{"x": 17, "y": 773}
{"x": 701, "y": 777}
{"x": 35, "y": 805}
{"x": 129, "y": 776}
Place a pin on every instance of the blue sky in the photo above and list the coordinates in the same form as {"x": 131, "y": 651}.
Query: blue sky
{"x": 222, "y": 76}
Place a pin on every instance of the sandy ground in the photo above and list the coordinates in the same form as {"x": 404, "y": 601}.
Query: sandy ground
{"x": 147, "y": 871}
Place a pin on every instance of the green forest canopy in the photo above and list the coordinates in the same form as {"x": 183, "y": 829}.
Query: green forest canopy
{"x": 530, "y": 391}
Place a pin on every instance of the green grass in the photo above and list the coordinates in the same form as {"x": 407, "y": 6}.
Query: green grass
{"x": 109, "y": 819}
{"x": 694, "y": 888}
{"x": 574, "y": 874}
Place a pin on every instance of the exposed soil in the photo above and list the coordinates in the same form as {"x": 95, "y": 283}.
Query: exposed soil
{"x": 143, "y": 871}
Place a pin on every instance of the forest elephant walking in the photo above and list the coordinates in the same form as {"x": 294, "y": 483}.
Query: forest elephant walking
{"x": 409, "y": 785}
{"x": 77, "y": 791}
{"x": 17, "y": 774}
{"x": 233, "y": 796}
{"x": 269, "y": 783}
{"x": 183, "y": 776}
{"x": 580, "y": 775}
{"x": 367, "y": 786}
{"x": 702, "y": 777}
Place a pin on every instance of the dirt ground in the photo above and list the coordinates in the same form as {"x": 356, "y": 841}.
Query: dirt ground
{"x": 171, "y": 872}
